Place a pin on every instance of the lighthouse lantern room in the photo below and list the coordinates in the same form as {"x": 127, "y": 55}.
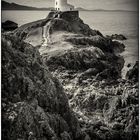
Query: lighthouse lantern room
{"x": 62, "y": 5}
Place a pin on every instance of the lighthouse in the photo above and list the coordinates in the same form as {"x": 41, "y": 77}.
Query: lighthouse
{"x": 62, "y": 5}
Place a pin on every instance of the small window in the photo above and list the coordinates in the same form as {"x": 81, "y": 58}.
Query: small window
{"x": 56, "y": 3}
{"x": 70, "y": 9}
{"x": 58, "y": 8}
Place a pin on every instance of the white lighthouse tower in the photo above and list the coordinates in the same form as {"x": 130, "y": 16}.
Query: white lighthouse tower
{"x": 62, "y": 5}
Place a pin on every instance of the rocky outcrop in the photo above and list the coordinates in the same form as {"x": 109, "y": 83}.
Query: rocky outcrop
{"x": 57, "y": 23}
{"x": 73, "y": 45}
{"x": 117, "y": 37}
{"x": 9, "y": 25}
{"x": 86, "y": 58}
{"x": 101, "y": 42}
{"x": 34, "y": 105}
{"x": 133, "y": 74}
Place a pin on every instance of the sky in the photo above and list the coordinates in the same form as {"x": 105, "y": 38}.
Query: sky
{"x": 87, "y": 4}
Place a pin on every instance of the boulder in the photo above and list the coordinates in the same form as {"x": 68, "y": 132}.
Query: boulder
{"x": 9, "y": 25}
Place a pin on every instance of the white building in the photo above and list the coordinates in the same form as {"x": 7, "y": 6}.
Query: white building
{"x": 62, "y": 5}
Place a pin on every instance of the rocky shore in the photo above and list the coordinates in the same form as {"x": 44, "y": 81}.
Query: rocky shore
{"x": 88, "y": 66}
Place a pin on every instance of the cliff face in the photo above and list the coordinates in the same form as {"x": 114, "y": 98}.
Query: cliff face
{"x": 34, "y": 105}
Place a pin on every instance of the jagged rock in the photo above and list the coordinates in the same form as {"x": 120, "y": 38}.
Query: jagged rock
{"x": 118, "y": 47}
{"x": 9, "y": 25}
{"x": 77, "y": 58}
{"x": 101, "y": 42}
{"x": 108, "y": 74}
{"x": 86, "y": 58}
{"x": 133, "y": 74}
{"x": 97, "y": 41}
{"x": 35, "y": 103}
{"x": 117, "y": 37}
{"x": 122, "y": 112}
{"x": 117, "y": 126}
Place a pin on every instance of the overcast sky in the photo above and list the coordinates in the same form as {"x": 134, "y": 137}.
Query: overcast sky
{"x": 88, "y": 4}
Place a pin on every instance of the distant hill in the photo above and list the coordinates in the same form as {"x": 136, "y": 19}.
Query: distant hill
{"x": 104, "y": 10}
{"x": 101, "y": 10}
{"x": 81, "y": 9}
{"x": 13, "y": 6}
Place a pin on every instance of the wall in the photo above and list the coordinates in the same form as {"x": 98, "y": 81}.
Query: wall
{"x": 69, "y": 15}
{"x": 66, "y": 15}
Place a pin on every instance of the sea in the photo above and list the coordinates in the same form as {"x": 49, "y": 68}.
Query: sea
{"x": 107, "y": 22}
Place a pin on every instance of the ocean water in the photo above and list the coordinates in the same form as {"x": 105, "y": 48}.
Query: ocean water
{"x": 125, "y": 23}
{"x": 107, "y": 23}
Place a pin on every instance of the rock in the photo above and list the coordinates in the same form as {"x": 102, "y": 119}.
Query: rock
{"x": 73, "y": 45}
{"x": 65, "y": 136}
{"x": 122, "y": 113}
{"x": 9, "y": 25}
{"x": 96, "y": 41}
{"x": 90, "y": 72}
{"x": 117, "y": 126}
{"x": 111, "y": 73}
{"x": 89, "y": 66}
{"x": 87, "y": 137}
{"x": 129, "y": 65}
{"x": 118, "y": 47}
{"x": 77, "y": 59}
{"x": 117, "y": 37}
{"x": 57, "y": 24}
{"x": 36, "y": 105}
{"x": 133, "y": 74}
